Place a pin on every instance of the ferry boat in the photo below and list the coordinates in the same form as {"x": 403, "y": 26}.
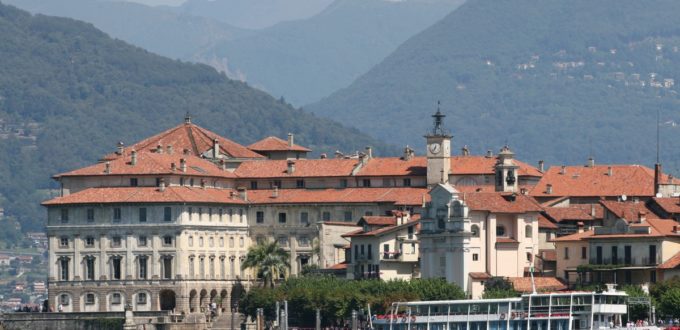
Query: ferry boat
{"x": 537, "y": 311}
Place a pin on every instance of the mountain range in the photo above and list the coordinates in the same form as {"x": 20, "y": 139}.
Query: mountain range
{"x": 69, "y": 93}
{"x": 556, "y": 80}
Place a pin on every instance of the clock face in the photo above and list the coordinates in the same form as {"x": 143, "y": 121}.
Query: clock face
{"x": 435, "y": 148}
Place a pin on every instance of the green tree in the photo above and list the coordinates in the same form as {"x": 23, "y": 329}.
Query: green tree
{"x": 498, "y": 287}
{"x": 268, "y": 260}
{"x": 636, "y": 312}
{"x": 669, "y": 303}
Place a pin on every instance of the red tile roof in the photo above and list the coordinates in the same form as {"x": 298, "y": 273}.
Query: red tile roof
{"x": 172, "y": 194}
{"x": 627, "y": 210}
{"x": 393, "y": 166}
{"x": 272, "y": 143}
{"x": 500, "y": 202}
{"x": 671, "y": 263}
{"x": 379, "y": 220}
{"x": 575, "y": 237}
{"x": 581, "y": 181}
{"x": 544, "y": 223}
{"x": 559, "y": 214}
{"x": 381, "y": 230}
{"x": 506, "y": 240}
{"x": 548, "y": 255}
{"x": 589, "y": 208}
{"x": 398, "y": 196}
{"x": 340, "y": 266}
{"x": 479, "y": 276}
{"x": 303, "y": 168}
{"x": 153, "y": 164}
{"x": 657, "y": 228}
{"x": 543, "y": 284}
{"x": 191, "y": 137}
{"x": 668, "y": 204}
{"x": 486, "y": 165}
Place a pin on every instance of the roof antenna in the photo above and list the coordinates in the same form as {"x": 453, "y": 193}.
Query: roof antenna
{"x": 187, "y": 118}
{"x": 658, "y": 126}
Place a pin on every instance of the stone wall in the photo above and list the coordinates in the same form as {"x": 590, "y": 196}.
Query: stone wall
{"x": 99, "y": 321}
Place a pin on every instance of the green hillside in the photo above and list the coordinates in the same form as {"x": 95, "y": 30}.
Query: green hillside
{"x": 306, "y": 60}
{"x": 69, "y": 93}
{"x": 159, "y": 30}
{"x": 557, "y": 80}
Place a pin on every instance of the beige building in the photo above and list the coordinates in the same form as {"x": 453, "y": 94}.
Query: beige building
{"x": 386, "y": 247}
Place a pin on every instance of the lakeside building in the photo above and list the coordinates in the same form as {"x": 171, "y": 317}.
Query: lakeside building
{"x": 165, "y": 223}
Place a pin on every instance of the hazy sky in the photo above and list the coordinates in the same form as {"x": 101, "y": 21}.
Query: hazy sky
{"x": 158, "y": 2}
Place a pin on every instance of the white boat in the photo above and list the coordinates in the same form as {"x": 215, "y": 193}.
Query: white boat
{"x": 538, "y": 311}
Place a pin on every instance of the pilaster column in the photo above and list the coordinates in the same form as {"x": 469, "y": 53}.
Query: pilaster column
{"x": 103, "y": 246}
{"x": 155, "y": 258}
{"x": 77, "y": 260}
{"x": 128, "y": 256}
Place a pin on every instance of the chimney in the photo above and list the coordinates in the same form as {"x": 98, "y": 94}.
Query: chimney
{"x": 465, "y": 151}
{"x": 121, "y": 148}
{"x": 216, "y": 149}
{"x": 182, "y": 164}
{"x": 170, "y": 150}
{"x": 580, "y": 226}
{"x": 159, "y": 148}
{"x": 291, "y": 140}
{"x": 592, "y": 210}
{"x": 591, "y": 162}
{"x": 676, "y": 229}
{"x": 489, "y": 153}
{"x": 563, "y": 170}
{"x": 242, "y": 193}
{"x": 657, "y": 178}
{"x": 291, "y": 167}
{"x": 541, "y": 165}
{"x": 609, "y": 171}
{"x": 107, "y": 168}
{"x": 133, "y": 158}
{"x": 548, "y": 188}
{"x": 369, "y": 152}
{"x": 408, "y": 153}
{"x": 223, "y": 165}
{"x": 339, "y": 154}
{"x": 523, "y": 191}
{"x": 642, "y": 216}
{"x": 275, "y": 192}
{"x": 173, "y": 167}
{"x": 323, "y": 156}
{"x": 203, "y": 183}
{"x": 162, "y": 185}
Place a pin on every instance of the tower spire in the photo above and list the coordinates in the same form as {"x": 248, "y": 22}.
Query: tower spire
{"x": 187, "y": 118}
{"x": 438, "y": 129}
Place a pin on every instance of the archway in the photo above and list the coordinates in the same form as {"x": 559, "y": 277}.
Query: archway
{"x": 236, "y": 292}
{"x": 202, "y": 302}
{"x": 192, "y": 301}
{"x": 167, "y": 300}
{"x": 224, "y": 303}
{"x": 213, "y": 295}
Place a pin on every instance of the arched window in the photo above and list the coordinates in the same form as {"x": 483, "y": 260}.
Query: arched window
{"x": 191, "y": 241}
{"x": 475, "y": 230}
{"x": 500, "y": 231}
{"x": 528, "y": 231}
{"x": 529, "y": 256}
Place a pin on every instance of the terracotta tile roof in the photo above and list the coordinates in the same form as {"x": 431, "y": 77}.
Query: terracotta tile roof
{"x": 668, "y": 204}
{"x": 486, "y": 165}
{"x": 665, "y": 226}
{"x": 559, "y": 214}
{"x": 381, "y": 230}
{"x": 340, "y": 266}
{"x": 500, "y": 202}
{"x": 331, "y": 167}
{"x": 671, "y": 263}
{"x": 581, "y": 181}
{"x": 191, "y": 137}
{"x": 339, "y": 223}
{"x": 548, "y": 254}
{"x": 397, "y": 195}
{"x": 543, "y": 284}
{"x": 379, "y": 220}
{"x": 506, "y": 240}
{"x": 544, "y": 223}
{"x": 575, "y": 237}
{"x": 589, "y": 208}
{"x": 172, "y": 194}
{"x": 393, "y": 166}
{"x": 153, "y": 164}
{"x": 479, "y": 276}
{"x": 627, "y": 210}
{"x": 272, "y": 143}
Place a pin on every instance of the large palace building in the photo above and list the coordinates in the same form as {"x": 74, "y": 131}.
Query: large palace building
{"x": 165, "y": 224}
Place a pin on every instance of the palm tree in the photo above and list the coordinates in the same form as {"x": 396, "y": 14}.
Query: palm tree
{"x": 269, "y": 261}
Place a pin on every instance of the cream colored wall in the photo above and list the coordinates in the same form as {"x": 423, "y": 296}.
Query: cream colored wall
{"x": 475, "y": 289}
{"x": 400, "y": 268}
{"x": 669, "y": 248}
{"x": 639, "y": 249}
{"x": 74, "y": 184}
{"x": 331, "y": 243}
{"x": 574, "y": 260}
{"x": 545, "y": 238}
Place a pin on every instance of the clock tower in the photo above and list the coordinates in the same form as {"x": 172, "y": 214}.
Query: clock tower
{"x": 438, "y": 152}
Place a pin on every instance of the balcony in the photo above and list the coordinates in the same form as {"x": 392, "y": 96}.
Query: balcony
{"x": 398, "y": 256}
{"x": 627, "y": 262}
{"x": 407, "y": 238}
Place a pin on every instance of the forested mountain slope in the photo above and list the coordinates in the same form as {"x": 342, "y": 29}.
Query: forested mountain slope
{"x": 557, "y": 80}
{"x": 69, "y": 93}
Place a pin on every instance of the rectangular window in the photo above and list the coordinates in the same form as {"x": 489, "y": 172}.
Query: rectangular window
{"x": 90, "y": 215}
{"x": 167, "y": 240}
{"x": 64, "y": 299}
{"x": 366, "y": 182}
{"x": 158, "y": 182}
{"x": 326, "y": 216}
{"x": 241, "y": 242}
{"x": 368, "y": 213}
{"x": 300, "y": 183}
{"x": 343, "y": 183}
{"x": 259, "y": 217}
{"x": 652, "y": 276}
{"x": 304, "y": 218}
{"x": 89, "y": 299}
{"x": 142, "y": 241}
{"x": 167, "y": 268}
{"x": 253, "y": 185}
{"x": 652, "y": 255}
{"x": 356, "y": 252}
{"x": 598, "y": 255}
{"x": 115, "y": 271}
{"x": 276, "y": 183}
{"x": 475, "y": 257}
{"x": 142, "y": 267}
{"x": 63, "y": 242}
{"x": 282, "y": 217}
{"x": 116, "y": 241}
{"x": 584, "y": 252}
{"x": 133, "y": 182}
{"x": 370, "y": 251}
{"x": 231, "y": 242}
{"x": 407, "y": 182}
{"x": 167, "y": 214}
{"x": 627, "y": 255}
{"x": 615, "y": 255}
{"x": 566, "y": 253}
{"x": 116, "y": 214}
{"x": 181, "y": 181}
{"x": 64, "y": 269}
{"x": 89, "y": 241}
{"x": 141, "y": 298}
{"x": 64, "y": 215}
{"x": 142, "y": 214}
{"x": 348, "y": 215}
{"x": 89, "y": 269}
{"x": 303, "y": 241}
